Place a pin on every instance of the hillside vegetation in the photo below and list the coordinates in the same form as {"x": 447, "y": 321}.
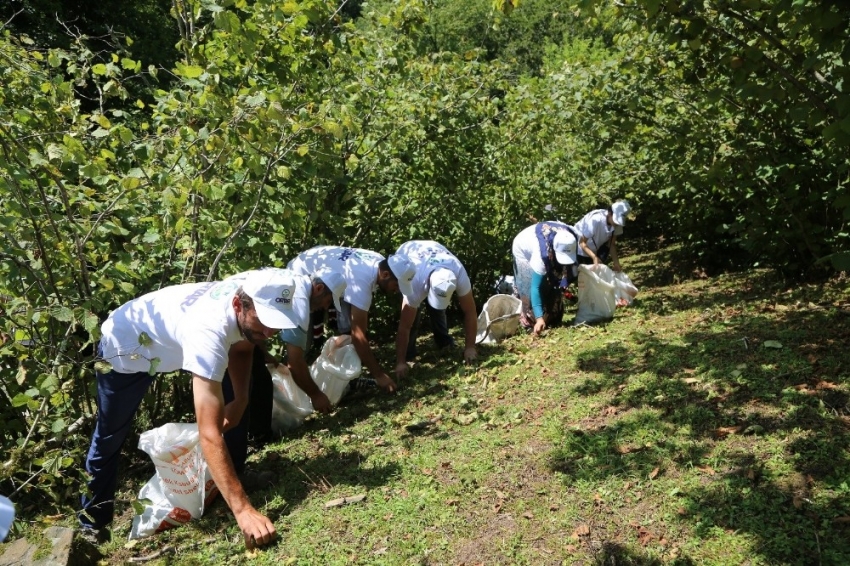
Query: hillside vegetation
{"x": 273, "y": 126}
{"x": 706, "y": 424}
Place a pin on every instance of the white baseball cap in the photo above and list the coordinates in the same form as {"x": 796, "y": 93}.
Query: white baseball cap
{"x": 274, "y": 293}
{"x": 565, "y": 247}
{"x": 335, "y": 282}
{"x": 619, "y": 211}
{"x": 404, "y": 270}
{"x": 443, "y": 285}
{"x": 7, "y": 517}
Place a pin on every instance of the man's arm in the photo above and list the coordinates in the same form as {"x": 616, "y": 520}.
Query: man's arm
{"x": 359, "y": 322}
{"x": 405, "y": 323}
{"x": 209, "y": 412}
{"x": 587, "y": 251}
{"x": 470, "y": 326}
{"x": 301, "y": 377}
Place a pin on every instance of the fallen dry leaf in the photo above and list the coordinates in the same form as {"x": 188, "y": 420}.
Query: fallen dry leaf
{"x": 727, "y": 430}
{"x": 653, "y": 473}
{"x": 497, "y": 507}
{"x": 452, "y": 502}
{"x": 645, "y": 536}
{"x": 528, "y": 515}
{"x": 707, "y": 470}
{"x": 581, "y": 531}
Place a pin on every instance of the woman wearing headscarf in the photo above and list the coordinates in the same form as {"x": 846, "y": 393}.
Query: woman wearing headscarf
{"x": 544, "y": 263}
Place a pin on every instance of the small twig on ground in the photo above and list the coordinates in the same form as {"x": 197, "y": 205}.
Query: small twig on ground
{"x": 322, "y": 485}
{"x": 345, "y": 500}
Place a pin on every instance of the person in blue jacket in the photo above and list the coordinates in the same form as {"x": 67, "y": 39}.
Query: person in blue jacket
{"x": 544, "y": 263}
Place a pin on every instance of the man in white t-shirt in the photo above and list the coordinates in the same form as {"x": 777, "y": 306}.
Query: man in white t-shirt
{"x": 205, "y": 329}
{"x": 598, "y": 231}
{"x": 364, "y": 271}
{"x": 439, "y": 274}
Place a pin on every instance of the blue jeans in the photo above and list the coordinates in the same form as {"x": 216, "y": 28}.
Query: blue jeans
{"x": 118, "y": 398}
{"x": 439, "y": 326}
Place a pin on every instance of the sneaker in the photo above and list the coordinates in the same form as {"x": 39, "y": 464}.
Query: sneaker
{"x": 361, "y": 383}
{"x": 253, "y": 480}
{"x": 94, "y": 536}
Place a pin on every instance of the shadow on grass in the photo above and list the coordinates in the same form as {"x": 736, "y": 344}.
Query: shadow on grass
{"x": 417, "y": 392}
{"x": 621, "y": 555}
{"x": 717, "y": 393}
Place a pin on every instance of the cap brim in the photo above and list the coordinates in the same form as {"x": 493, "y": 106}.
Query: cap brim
{"x": 7, "y": 517}
{"x": 338, "y": 303}
{"x": 437, "y": 302}
{"x": 280, "y": 320}
{"x": 564, "y": 259}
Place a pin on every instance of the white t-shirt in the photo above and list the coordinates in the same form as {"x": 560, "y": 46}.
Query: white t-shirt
{"x": 594, "y": 226}
{"x": 359, "y": 268}
{"x": 188, "y": 327}
{"x": 428, "y": 255}
{"x": 527, "y": 247}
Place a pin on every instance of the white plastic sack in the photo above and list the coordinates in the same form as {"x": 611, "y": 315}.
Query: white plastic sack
{"x": 596, "y": 293}
{"x": 499, "y": 319}
{"x": 333, "y": 369}
{"x": 290, "y": 405}
{"x": 625, "y": 290}
{"x": 182, "y": 486}
{"x": 338, "y": 364}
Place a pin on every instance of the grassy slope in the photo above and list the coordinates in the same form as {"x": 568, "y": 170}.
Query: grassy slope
{"x": 673, "y": 435}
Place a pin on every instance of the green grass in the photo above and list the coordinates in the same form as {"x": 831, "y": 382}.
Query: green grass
{"x": 673, "y": 435}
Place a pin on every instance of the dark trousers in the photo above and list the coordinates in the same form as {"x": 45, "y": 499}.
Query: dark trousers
{"x": 602, "y": 253}
{"x": 439, "y": 326}
{"x": 118, "y": 398}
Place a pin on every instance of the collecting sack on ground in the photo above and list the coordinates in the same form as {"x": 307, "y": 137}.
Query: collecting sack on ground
{"x": 333, "y": 369}
{"x": 499, "y": 319}
{"x": 182, "y": 486}
{"x": 290, "y": 405}
{"x": 625, "y": 290}
{"x": 338, "y": 364}
{"x": 596, "y": 293}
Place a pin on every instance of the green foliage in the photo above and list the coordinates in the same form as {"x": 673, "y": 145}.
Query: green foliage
{"x": 143, "y": 26}
{"x": 725, "y": 124}
{"x": 285, "y": 125}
